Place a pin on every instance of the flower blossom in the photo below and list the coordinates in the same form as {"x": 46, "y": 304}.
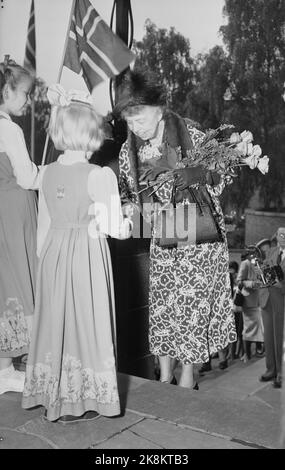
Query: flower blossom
{"x": 254, "y": 150}
{"x": 251, "y": 161}
{"x": 247, "y": 137}
{"x": 263, "y": 164}
{"x": 235, "y": 138}
{"x": 242, "y": 147}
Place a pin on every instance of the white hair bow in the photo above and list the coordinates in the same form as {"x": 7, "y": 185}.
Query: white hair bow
{"x": 58, "y": 96}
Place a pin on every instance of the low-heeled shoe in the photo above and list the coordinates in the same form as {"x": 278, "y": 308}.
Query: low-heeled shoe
{"x": 277, "y": 383}
{"x": 69, "y": 419}
{"x": 266, "y": 377}
{"x": 88, "y": 416}
{"x": 223, "y": 364}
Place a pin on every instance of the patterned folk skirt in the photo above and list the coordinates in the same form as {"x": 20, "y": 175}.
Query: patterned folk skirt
{"x": 18, "y": 265}
{"x": 190, "y": 301}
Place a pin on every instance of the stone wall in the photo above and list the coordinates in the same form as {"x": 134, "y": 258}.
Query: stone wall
{"x": 130, "y": 260}
{"x": 259, "y": 224}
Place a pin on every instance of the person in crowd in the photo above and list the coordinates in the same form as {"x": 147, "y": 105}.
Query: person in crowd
{"x": 18, "y": 212}
{"x": 190, "y": 314}
{"x": 248, "y": 280}
{"x": 272, "y": 303}
{"x": 71, "y": 363}
{"x": 233, "y": 270}
{"x": 236, "y": 347}
{"x": 222, "y": 354}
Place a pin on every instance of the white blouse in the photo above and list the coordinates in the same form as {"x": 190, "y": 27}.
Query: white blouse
{"x": 106, "y": 209}
{"x": 12, "y": 142}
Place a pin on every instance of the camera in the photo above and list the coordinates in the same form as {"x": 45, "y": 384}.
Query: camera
{"x": 272, "y": 274}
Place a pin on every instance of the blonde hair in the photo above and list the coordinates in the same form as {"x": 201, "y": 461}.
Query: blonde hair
{"x": 76, "y": 127}
{"x": 13, "y": 75}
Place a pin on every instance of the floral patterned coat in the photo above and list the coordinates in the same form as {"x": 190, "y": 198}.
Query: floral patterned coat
{"x": 190, "y": 305}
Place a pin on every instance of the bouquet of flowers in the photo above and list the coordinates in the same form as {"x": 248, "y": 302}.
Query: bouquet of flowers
{"x": 225, "y": 155}
{"x": 222, "y": 155}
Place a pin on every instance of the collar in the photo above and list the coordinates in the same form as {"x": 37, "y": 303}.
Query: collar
{"x": 72, "y": 156}
{"x": 5, "y": 115}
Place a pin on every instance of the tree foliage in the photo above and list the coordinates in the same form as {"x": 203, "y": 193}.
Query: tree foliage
{"x": 255, "y": 41}
{"x": 167, "y": 55}
{"x": 205, "y": 102}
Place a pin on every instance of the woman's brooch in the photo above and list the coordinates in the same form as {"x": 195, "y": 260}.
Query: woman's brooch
{"x": 149, "y": 152}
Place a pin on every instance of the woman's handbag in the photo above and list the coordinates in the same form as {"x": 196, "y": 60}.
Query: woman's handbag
{"x": 193, "y": 223}
{"x": 238, "y": 299}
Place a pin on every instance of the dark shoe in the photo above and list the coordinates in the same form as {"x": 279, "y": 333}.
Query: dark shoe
{"x": 260, "y": 350}
{"x": 266, "y": 377}
{"x": 223, "y": 364}
{"x": 259, "y": 354}
{"x": 277, "y": 382}
{"x": 195, "y": 386}
{"x": 88, "y": 416}
{"x": 206, "y": 367}
{"x": 156, "y": 374}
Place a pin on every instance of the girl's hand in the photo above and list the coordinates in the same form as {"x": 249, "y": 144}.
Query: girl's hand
{"x": 128, "y": 210}
{"x": 126, "y": 229}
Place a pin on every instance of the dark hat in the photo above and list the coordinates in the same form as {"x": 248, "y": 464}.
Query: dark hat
{"x": 252, "y": 250}
{"x": 139, "y": 89}
{"x": 264, "y": 241}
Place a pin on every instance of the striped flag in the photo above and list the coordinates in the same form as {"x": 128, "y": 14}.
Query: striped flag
{"x": 30, "y": 53}
{"x": 93, "y": 50}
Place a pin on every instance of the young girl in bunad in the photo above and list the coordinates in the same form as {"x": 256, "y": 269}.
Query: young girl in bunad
{"x": 17, "y": 227}
{"x": 71, "y": 364}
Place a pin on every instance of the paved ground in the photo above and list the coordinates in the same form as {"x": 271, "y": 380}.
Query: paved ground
{"x": 232, "y": 410}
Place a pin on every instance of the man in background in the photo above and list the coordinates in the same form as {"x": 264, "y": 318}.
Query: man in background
{"x": 272, "y": 304}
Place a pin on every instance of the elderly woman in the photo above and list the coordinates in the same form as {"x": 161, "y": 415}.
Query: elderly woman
{"x": 190, "y": 313}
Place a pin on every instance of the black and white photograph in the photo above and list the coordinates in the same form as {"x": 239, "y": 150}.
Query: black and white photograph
{"x": 142, "y": 228}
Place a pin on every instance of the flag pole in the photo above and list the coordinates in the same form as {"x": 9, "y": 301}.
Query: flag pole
{"x": 60, "y": 71}
{"x": 33, "y": 129}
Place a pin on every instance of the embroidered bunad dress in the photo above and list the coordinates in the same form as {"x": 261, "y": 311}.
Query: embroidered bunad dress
{"x": 71, "y": 366}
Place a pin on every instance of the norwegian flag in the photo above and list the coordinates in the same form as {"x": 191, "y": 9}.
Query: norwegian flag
{"x": 30, "y": 52}
{"x": 93, "y": 50}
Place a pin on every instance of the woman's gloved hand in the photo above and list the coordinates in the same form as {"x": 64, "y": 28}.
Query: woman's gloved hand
{"x": 188, "y": 176}
{"x": 150, "y": 174}
{"x": 185, "y": 177}
{"x": 213, "y": 178}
